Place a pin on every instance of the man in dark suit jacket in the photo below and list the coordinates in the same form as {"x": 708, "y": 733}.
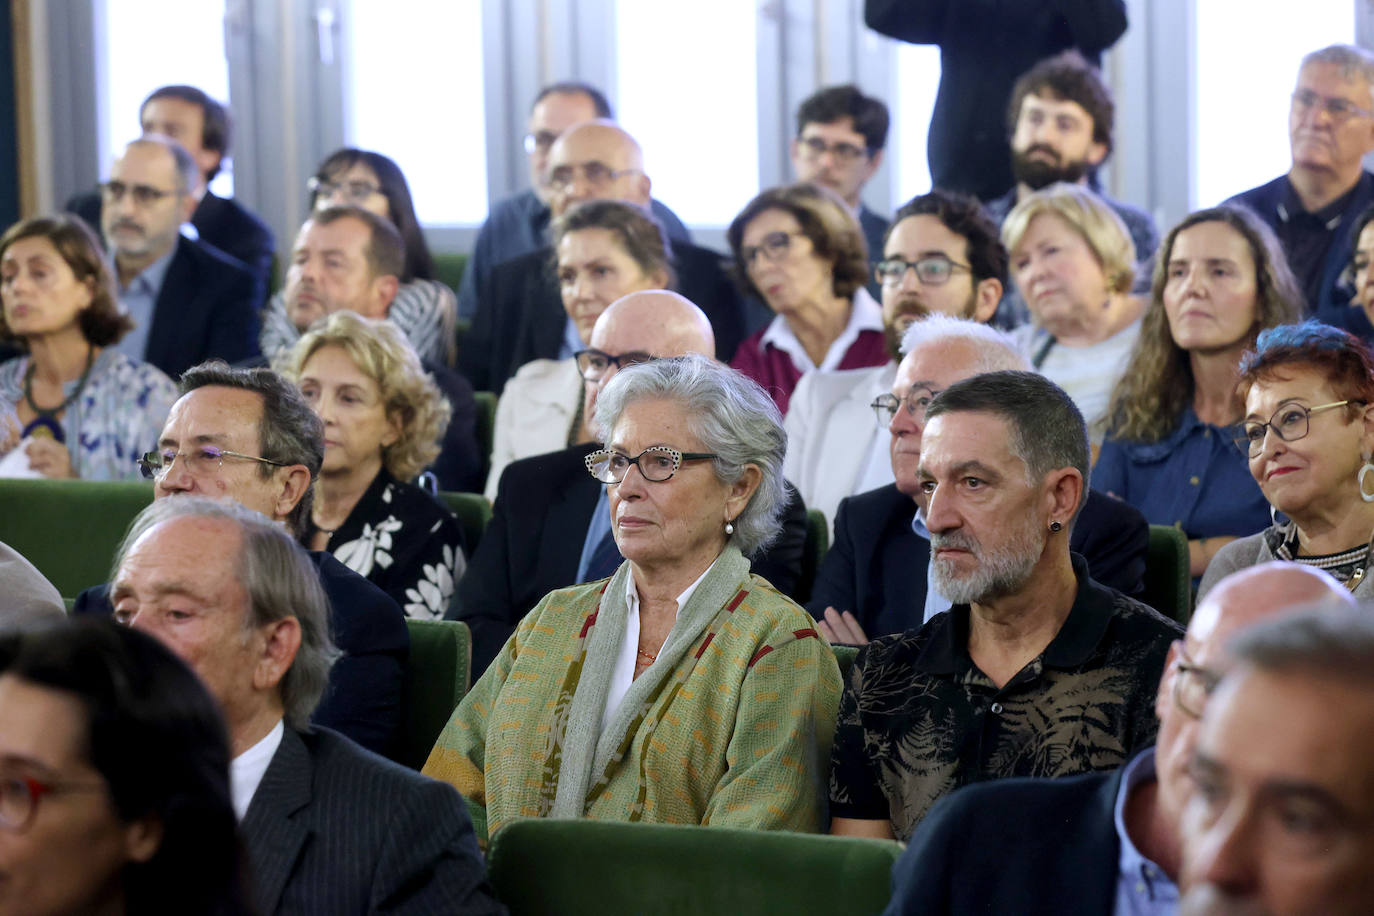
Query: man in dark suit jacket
{"x": 1075, "y": 845}
{"x": 202, "y": 125}
{"x": 189, "y": 301}
{"x": 328, "y": 827}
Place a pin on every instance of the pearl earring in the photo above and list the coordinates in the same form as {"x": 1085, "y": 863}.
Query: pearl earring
{"x": 729, "y": 528}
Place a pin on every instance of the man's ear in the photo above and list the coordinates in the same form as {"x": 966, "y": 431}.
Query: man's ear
{"x": 384, "y": 291}
{"x": 645, "y": 188}
{"x": 1096, "y": 153}
{"x": 293, "y": 482}
{"x": 875, "y": 162}
{"x": 1063, "y": 492}
{"x": 281, "y": 640}
{"x": 143, "y": 838}
{"x": 987, "y": 295}
{"x": 188, "y": 206}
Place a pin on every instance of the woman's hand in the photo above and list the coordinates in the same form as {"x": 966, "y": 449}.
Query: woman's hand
{"x": 50, "y": 458}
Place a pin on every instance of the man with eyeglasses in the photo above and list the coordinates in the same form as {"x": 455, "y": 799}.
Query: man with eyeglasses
{"x": 1313, "y": 209}
{"x": 202, "y": 125}
{"x": 551, "y": 525}
{"x": 189, "y": 301}
{"x": 839, "y": 144}
{"x": 1106, "y": 843}
{"x": 519, "y": 224}
{"x": 520, "y": 315}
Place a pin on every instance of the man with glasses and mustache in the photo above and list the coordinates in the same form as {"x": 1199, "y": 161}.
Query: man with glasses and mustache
{"x": 1102, "y": 843}
{"x": 1314, "y": 208}
{"x": 1036, "y": 669}
{"x": 551, "y": 525}
{"x": 189, "y": 301}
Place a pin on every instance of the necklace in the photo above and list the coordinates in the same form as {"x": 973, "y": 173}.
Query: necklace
{"x": 52, "y": 412}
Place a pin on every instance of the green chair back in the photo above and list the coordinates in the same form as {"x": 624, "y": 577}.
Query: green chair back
{"x": 486, "y": 424}
{"x": 1168, "y": 587}
{"x": 436, "y": 678}
{"x": 543, "y": 867}
{"x": 813, "y": 552}
{"x": 844, "y": 657}
{"x": 70, "y": 529}
{"x": 473, "y": 513}
{"x": 449, "y": 267}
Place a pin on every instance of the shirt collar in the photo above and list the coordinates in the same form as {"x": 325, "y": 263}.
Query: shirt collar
{"x": 1131, "y": 865}
{"x": 1330, "y": 216}
{"x": 247, "y": 769}
{"x": 864, "y": 315}
{"x": 148, "y": 280}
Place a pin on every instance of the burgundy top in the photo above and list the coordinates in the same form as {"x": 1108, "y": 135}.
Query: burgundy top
{"x": 774, "y": 370}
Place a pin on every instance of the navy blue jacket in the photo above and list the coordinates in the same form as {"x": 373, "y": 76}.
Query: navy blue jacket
{"x": 207, "y": 308}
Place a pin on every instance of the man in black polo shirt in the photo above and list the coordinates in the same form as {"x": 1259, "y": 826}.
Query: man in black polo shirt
{"x": 1036, "y": 670}
{"x": 1314, "y": 207}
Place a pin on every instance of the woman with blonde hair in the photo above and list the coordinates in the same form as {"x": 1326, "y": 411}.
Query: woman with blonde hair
{"x": 1221, "y": 279}
{"x": 383, "y": 419}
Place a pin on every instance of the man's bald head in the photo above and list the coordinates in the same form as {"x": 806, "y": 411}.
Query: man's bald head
{"x": 1250, "y": 595}
{"x": 596, "y": 160}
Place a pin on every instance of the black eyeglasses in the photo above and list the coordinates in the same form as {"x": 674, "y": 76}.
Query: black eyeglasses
{"x": 542, "y": 140}
{"x": 815, "y": 148}
{"x": 142, "y": 194}
{"x": 593, "y": 364}
{"x": 201, "y": 460}
{"x": 1193, "y": 684}
{"x": 19, "y": 797}
{"x": 775, "y": 246}
{"x": 1304, "y": 100}
{"x": 1290, "y": 423}
{"x": 596, "y": 174}
{"x": 932, "y": 270}
{"x": 657, "y": 463}
{"x": 916, "y": 401}
{"x": 355, "y": 191}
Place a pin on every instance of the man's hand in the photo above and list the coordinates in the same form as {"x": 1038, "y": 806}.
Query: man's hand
{"x": 49, "y": 458}
{"x": 842, "y": 628}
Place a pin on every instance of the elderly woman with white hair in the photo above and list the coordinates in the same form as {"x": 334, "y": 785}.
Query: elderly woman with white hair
{"x": 682, "y": 689}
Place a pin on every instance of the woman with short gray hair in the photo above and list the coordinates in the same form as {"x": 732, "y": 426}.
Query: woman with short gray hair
{"x": 682, "y": 689}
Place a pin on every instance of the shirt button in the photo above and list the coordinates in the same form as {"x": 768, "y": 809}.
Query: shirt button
{"x": 996, "y": 708}
{"x": 1193, "y": 480}
{"x": 1206, "y": 434}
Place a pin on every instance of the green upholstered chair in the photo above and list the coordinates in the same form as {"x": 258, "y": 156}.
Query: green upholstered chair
{"x": 1168, "y": 587}
{"x": 579, "y": 868}
{"x": 473, "y": 513}
{"x": 449, "y": 267}
{"x": 486, "y": 424}
{"x": 70, "y": 529}
{"x": 844, "y": 656}
{"x": 436, "y": 678}
{"x": 813, "y": 552}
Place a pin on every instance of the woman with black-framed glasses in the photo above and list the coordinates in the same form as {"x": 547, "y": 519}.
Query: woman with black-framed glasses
{"x": 681, "y": 689}
{"x": 1308, "y": 435}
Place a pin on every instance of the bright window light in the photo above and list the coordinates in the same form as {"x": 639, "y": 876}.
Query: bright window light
{"x": 912, "y": 101}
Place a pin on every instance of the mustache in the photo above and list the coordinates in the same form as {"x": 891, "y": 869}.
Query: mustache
{"x": 127, "y": 224}
{"x": 1043, "y": 148}
{"x": 954, "y": 540}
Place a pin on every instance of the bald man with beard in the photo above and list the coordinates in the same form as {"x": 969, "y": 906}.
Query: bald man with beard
{"x": 550, "y": 524}
{"x": 520, "y": 315}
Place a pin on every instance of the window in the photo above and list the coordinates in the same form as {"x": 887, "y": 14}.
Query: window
{"x": 912, "y": 100}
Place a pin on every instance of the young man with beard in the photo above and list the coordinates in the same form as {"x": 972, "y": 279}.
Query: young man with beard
{"x": 1060, "y": 119}
{"x": 1036, "y": 670}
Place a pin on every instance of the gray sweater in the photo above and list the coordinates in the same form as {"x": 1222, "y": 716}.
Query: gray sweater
{"x": 1251, "y": 551}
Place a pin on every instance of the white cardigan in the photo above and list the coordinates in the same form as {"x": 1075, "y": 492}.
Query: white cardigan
{"x": 534, "y": 415}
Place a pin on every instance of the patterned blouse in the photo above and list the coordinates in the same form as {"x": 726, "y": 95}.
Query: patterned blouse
{"x": 403, "y": 541}
{"x": 117, "y": 418}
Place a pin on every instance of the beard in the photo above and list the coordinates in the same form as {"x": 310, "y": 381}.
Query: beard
{"x": 1001, "y": 571}
{"x": 1039, "y": 173}
{"x": 894, "y": 328}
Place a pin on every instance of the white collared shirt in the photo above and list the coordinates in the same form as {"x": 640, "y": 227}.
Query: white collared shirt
{"x": 865, "y": 314}
{"x": 247, "y": 769}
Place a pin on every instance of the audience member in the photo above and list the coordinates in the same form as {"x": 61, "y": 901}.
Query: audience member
{"x": 1313, "y": 208}
{"x": 839, "y": 144}
{"x": 941, "y": 256}
{"x": 982, "y": 52}
{"x": 1071, "y": 258}
{"x": 247, "y": 436}
{"x": 800, "y": 250}
{"x": 1036, "y": 670}
{"x": 1060, "y": 121}
{"x": 1221, "y": 279}
{"x": 383, "y": 419}
{"x": 114, "y": 780}
{"x": 327, "y": 827}
{"x": 350, "y": 259}
{"x": 606, "y": 249}
{"x": 188, "y": 301}
{"x": 1279, "y": 818}
{"x": 875, "y": 578}
{"x": 1309, "y": 435}
{"x": 86, "y": 409}
{"x": 29, "y": 598}
{"x": 518, "y": 224}
{"x": 1359, "y": 319}
{"x": 683, "y": 690}
{"x": 203, "y": 126}
{"x": 551, "y": 523}
{"x": 1104, "y": 843}
{"x": 520, "y": 314}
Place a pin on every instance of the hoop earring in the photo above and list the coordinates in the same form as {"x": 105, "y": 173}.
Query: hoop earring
{"x": 1359, "y": 479}
{"x": 730, "y": 527}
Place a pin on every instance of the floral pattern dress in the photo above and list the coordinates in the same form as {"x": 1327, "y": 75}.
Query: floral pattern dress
{"x": 403, "y": 541}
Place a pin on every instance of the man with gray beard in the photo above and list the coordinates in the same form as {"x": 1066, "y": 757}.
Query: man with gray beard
{"x": 1036, "y": 670}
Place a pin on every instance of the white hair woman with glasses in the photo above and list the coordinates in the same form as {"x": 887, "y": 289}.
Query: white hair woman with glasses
{"x": 682, "y": 689}
{"x": 605, "y": 249}
{"x": 1308, "y": 433}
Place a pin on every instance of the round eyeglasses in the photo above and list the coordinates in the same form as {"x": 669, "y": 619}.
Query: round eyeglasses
{"x": 19, "y": 797}
{"x": 656, "y": 463}
{"x": 916, "y": 401}
{"x": 774, "y": 247}
{"x": 932, "y": 270}
{"x": 1193, "y": 684}
{"x": 814, "y": 148}
{"x": 356, "y": 191}
{"x": 201, "y": 460}
{"x": 593, "y": 364}
{"x": 595, "y": 174}
{"x": 1290, "y": 423}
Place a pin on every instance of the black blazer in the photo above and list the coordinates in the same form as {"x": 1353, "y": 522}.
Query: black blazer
{"x": 1024, "y": 846}
{"x": 876, "y": 567}
{"x": 363, "y": 697}
{"x": 207, "y": 308}
{"x": 534, "y": 540}
{"x": 222, "y": 221}
{"x": 335, "y": 830}
{"x": 520, "y": 315}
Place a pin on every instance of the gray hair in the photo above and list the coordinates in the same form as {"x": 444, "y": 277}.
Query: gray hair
{"x": 1354, "y": 63}
{"x": 281, "y": 582}
{"x": 996, "y": 349}
{"x": 188, "y": 173}
{"x": 1047, "y": 429}
{"x": 730, "y": 415}
{"x": 1328, "y": 639}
